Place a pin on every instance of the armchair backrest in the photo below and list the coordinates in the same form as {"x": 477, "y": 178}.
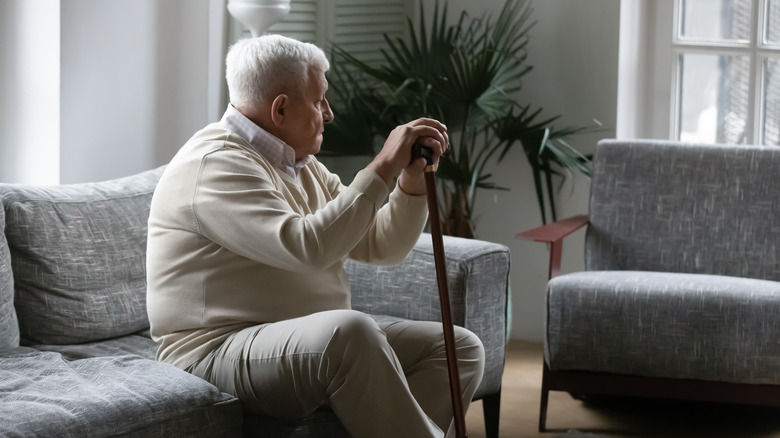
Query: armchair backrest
{"x": 679, "y": 207}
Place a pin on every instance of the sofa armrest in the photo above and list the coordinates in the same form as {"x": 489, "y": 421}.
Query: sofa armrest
{"x": 478, "y": 283}
{"x": 553, "y": 233}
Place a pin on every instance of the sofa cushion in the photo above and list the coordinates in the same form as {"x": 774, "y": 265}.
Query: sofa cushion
{"x": 9, "y": 326}
{"x": 687, "y": 326}
{"x": 78, "y": 257}
{"x": 42, "y": 394}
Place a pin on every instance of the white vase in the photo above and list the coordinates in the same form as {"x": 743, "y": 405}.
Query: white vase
{"x": 258, "y": 15}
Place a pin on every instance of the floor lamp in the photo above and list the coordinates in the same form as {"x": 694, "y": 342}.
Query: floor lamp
{"x": 258, "y": 15}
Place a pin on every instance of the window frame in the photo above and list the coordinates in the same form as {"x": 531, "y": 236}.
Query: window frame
{"x": 648, "y": 83}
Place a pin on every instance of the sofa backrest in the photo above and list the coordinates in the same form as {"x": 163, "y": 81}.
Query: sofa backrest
{"x": 677, "y": 207}
{"x": 78, "y": 254}
{"x": 9, "y": 327}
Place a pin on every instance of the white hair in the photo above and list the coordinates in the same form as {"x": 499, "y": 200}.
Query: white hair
{"x": 264, "y": 67}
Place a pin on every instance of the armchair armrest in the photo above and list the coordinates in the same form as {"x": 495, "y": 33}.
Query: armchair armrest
{"x": 553, "y": 234}
{"x": 478, "y": 283}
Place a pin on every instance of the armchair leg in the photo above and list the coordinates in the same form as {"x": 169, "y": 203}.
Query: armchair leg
{"x": 543, "y": 404}
{"x": 491, "y": 407}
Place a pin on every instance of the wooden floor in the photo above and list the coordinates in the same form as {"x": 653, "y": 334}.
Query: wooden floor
{"x": 618, "y": 418}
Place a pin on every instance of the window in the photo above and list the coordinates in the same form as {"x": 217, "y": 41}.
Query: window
{"x": 709, "y": 71}
{"x": 726, "y": 58}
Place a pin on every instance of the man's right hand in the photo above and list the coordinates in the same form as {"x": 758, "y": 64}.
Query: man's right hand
{"x": 396, "y": 154}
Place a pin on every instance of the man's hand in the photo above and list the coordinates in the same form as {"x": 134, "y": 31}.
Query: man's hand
{"x": 396, "y": 155}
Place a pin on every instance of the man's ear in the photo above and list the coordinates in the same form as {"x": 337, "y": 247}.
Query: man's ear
{"x": 277, "y": 109}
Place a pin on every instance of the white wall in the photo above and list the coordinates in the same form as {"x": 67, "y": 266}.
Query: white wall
{"x": 574, "y": 52}
{"x": 134, "y": 83}
{"x": 99, "y": 89}
{"x": 29, "y": 91}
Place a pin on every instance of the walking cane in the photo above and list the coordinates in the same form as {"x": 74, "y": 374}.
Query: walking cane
{"x": 444, "y": 295}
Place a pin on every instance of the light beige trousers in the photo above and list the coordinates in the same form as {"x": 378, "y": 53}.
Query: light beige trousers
{"x": 383, "y": 377}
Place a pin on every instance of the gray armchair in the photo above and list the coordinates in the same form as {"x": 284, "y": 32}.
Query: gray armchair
{"x": 680, "y": 297}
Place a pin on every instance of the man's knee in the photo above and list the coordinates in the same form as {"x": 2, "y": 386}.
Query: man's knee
{"x": 353, "y": 329}
{"x": 469, "y": 347}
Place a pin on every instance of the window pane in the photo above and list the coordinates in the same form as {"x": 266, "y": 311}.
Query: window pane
{"x": 771, "y": 122}
{"x": 715, "y": 20}
{"x": 714, "y": 98}
{"x": 772, "y": 24}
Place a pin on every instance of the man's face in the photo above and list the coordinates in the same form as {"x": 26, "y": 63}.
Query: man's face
{"x": 307, "y": 113}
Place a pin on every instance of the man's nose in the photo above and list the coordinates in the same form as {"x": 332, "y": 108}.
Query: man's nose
{"x": 327, "y": 115}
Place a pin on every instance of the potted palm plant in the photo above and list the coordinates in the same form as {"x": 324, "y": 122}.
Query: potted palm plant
{"x": 466, "y": 75}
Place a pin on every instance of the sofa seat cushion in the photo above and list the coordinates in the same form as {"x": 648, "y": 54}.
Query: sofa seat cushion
{"x": 126, "y": 345}
{"x": 42, "y": 394}
{"x": 688, "y": 326}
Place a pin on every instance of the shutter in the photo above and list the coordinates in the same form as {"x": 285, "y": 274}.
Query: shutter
{"x": 359, "y": 26}
{"x": 356, "y": 25}
{"x": 301, "y": 23}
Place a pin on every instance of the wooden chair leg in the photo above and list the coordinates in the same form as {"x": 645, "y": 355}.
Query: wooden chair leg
{"x": 543, "y": 404}
{"x": 491, "y": 409}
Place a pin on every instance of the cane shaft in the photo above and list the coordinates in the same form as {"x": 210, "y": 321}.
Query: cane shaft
{"x": 444, "y": 299}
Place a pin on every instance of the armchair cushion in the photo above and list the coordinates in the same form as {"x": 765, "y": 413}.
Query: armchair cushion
{"x": 78, "y": 258}
{"x": 675, "y": 207}
{"x": 687, "y": 326}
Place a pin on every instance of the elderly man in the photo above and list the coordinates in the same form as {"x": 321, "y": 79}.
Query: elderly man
{"x": 247, "y": 237}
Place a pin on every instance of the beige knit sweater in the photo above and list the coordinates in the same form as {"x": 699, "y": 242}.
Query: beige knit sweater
{"x": 233, "y": 242}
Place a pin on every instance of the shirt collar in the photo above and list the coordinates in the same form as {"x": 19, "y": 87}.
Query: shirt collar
{"x": 277, "y": 152}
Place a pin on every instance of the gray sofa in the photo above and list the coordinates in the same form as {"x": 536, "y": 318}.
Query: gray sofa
{"x": 76, "y": 359}
{"x": 680, "y": 297}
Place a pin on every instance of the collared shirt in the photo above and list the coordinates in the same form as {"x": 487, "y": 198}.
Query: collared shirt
{"x": 276, "y": 151}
